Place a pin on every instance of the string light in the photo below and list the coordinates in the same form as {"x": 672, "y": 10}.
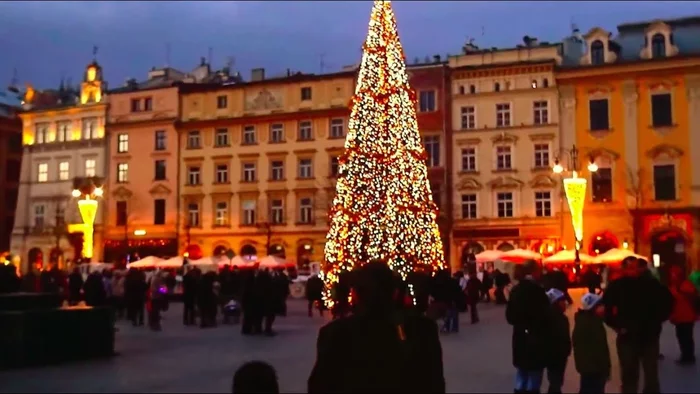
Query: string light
{"x": 383, "y": 207}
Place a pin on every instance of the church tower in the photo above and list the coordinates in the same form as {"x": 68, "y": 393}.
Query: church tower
{"x": 93, "y": 86}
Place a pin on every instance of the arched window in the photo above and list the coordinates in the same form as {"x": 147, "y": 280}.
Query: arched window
{"x": 461, "y": 90}
{"x": 277, "y": 250}
{"x": 658, "y": 46}
{"x": 472, "y": 89}
{"x": 249, "y": 252}
{"x": 496, "y": 87}
{"x": 219, "y": 251}
{"x": 505, "y": 247}
{"x": 597, "y": 52}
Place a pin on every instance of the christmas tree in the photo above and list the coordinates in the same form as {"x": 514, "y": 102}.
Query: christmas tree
{"x": 383, "y": 208}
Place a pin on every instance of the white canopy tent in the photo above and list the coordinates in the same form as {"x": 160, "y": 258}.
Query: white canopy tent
{"x": 273, "y": 262}
{"x": 568, "y": 256}
{"x": 146, "y": 262}
{"x": 615, "y": 255}
{"x": 519, "y": 256}
{"x": 488, "y": 256}
{"x": 173, "y": 262}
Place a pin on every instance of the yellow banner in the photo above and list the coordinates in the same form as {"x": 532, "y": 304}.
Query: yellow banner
{"x": 575, "y": 189}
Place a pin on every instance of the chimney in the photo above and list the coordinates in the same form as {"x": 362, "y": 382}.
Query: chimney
{"x": 257, "y": 74}
{"x": 130, "y": 83}
{"x": 202, "y": 61}
{"x": 436, "y": 58}
{"x": 530, "y": 41}
{"x": 289, "y": 72}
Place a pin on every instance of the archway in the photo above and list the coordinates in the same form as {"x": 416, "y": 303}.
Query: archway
{"x": 277, "y": 250}
{"x": 469, "y": 250}
{"x": 219, "y": 251}
{"x": 248, "y": 252}
{"x": 671, "y": 247}
{"x": 304, "y": 253}
{"x": 505, "y": 247}
{"x": 602, "y": 242}
{"x": 35, "y": 258}
{"x": 194, "y": 252}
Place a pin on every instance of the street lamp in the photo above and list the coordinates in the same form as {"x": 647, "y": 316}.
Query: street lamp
{"x": 575, "y": 190}
{"x": 87, "y": 205}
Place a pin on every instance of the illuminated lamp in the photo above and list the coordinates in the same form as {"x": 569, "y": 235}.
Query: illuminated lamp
{"x": 575, "y": 189}
{"x": 88, "y": 212}
{"x": 139, "y": 232}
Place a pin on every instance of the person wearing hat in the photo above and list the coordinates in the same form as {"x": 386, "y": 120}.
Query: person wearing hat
{"x": 590, "y": 342}
{"x": 560, "y": 341}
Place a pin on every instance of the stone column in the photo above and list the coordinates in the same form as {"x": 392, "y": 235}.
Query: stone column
{"x": 692, "y": 83}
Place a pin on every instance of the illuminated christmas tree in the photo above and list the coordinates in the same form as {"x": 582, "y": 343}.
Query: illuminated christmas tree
{"x": 383, "y": 208}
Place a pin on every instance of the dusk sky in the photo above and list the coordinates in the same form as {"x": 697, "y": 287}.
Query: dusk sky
{"x": 45, "y": 40}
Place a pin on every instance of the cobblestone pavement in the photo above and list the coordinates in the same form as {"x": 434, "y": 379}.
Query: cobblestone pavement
{"x": 188, "y": 359}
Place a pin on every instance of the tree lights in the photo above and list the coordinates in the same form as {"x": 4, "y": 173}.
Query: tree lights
{"x": 383, "y": 208}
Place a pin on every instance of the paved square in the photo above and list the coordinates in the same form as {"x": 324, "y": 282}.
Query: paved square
{"x": 189, "y": 359}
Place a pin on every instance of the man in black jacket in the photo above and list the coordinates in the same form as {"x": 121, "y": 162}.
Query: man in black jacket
{"x": 378, "y": 349}
{"x": 636, "y": 307}
{"x": 528, "y": 311}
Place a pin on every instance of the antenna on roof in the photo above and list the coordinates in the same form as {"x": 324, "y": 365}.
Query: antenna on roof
{"x": 322, "y": 64}
{"x": 210, "y": 55}
{"x": 14, "y": 80}
{"x": 167, "y": 54}
{"x": 94, "y": 52}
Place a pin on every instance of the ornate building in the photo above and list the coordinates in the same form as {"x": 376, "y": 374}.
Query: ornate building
{"x": 63, "y": 136}
{"x": 505, "y": 123}
{"x": 258, "y": 163}
{"x": 632, "y": 104}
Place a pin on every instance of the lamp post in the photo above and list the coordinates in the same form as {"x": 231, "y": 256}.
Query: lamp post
{"x": 87, "y": 205}
{"x": 575, "y": 190}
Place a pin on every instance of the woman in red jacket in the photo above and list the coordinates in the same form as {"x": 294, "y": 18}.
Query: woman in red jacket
{"x": 684, "y": 314}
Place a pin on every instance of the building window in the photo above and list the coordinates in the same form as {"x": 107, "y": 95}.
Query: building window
{"x": 504, "y": 159}
{"x": 306, "y": 93}
{"x": 159, "y": 211}
{"x": 305, "y": 131}
{"x": 193, "y": 176}
{"x": 540, "y": 112}
{"x": 249, "y": 214}
{"x": 193, "y": 214}
{"x": 431, "y": 143}
{"x": 545, "y": 83}
{"x": 661, "y": 110}
{"x": 337, "y": 128}
{"x": 221, "y": 173}
{"x": 141, "y": 105}
{"x": 599, "y": 117}
{"x": 42, "y": 172}
{"x": 543, "y": 204}
{"x": 63, "y": 171}
{"x": 533, "y": 84}
{"x": 249, "y": 172}
{"x": 504, "y": 202}
{"x": 122, "y": 172}
{"x": 221, "y": 102}
{"x": 64, "y": 132}
{"x": 194, "y": 139}
{"x": 426, "y": 101}
{"x": 305, "y": 211}
{"x": 277, "y": 133}
{"x": 335, "y": 166}
{"x": 161, "y": 140}
{"x": 89, "y": 128}
{"x": 496, "y": 87}
{"x": 42, "y": 133}
{"x": 39, "y": 215}
{"x": 597, "y": 52}
{"x": 305, "y": 168}
{"x": 249, "y": 137}
{"x": 468, "y": 118}
{"x": 664, "y": 182}
{"x": 221, "y": 214}
{"x": 469, "y": 159}
{"x": 541, "y": 155}
{"x": 122, "y": 213}
{"x": 502, "y": 115}
{"x": 469, "y": 206}
{"x": 90, "y": 168}
{"x": 277, "y": 211}
{"x": 602, "y": 185}
{"x": 277, "y": 170}
{"x": 221, "y": 138}
{"x": 160, "y": 170}
{"x": 122, "y": 143}
{"x": 658, "y": 46}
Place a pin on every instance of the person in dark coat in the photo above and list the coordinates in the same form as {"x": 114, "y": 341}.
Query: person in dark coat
{"x": 280, "y": 284}
{"x": 135, "y": 288}
{"x": 556, "y": 279}
{"x": 75, "y": 286}
{"x": 421, "y": 281}
{"x": 528, "y": 311}
{"x": 592, "y": 280}
{"x": 560, "y": 342}
{"x": 314, "y": 294}
{"x": 9, "y": 281}
{"x": 207, "y": 300}
{"x": 500, "y": 281}
{"x": 30, "y": 282}
{"x": 265, "y": 287}
{"x": 94, "y": 290}
{"x": 47, "y": 278}
{"x": 377, "y": 349}
{"x": 636, "y": 306}
{"x": 252, "y": 304}
{"x": 189, "y": 295}
{"x": 486, "y": 285}
{"x": 474, "y": 291}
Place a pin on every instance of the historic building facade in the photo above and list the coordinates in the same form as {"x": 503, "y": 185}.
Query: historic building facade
{"x": 632, "y": 105}
{"x": 63, "y": 136}
{"x": 505, "y": 123}
{"x": 10, "y": 161}
{"x": 258, "y": 163}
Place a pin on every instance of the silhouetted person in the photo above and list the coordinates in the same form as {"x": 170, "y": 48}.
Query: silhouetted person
{"x": 9, "y": 281}
{"x": 377, "y": 349}
{"x": 189, "y": 296}
{"x": 135, "y": 288}
{"x": 30, "y": 282}
{"x": 314, "y": 294}
{"x": 252, "y": 304}
{"x": 75, "y": 285}
{"x": 255, "y": 377}
{"x": 94, "y": 290}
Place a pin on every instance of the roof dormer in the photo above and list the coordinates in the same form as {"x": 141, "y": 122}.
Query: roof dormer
{"x": 600, "y": 49}
{"x": 658, "y": 41}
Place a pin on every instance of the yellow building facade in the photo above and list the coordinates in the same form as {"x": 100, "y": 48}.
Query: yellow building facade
{"x": 258, "y": 162}
{"x": 631, "y": 106}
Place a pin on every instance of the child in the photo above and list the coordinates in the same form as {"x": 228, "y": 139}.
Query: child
{"x": 591, "y": 352}
{"x": 560, "y": 345}
{"x": 255, "y": 377}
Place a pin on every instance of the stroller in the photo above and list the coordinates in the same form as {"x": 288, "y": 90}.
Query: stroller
{"x": 232, "y": 312}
